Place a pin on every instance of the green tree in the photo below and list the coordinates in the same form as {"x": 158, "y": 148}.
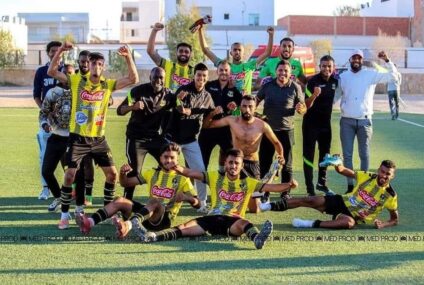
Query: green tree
{"x": 10, "y": 56}
{"x": 346, "y": 10}
{"x": 177, "y": 31}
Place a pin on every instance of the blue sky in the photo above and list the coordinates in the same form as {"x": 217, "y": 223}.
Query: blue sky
{"x": 110, "y": 11}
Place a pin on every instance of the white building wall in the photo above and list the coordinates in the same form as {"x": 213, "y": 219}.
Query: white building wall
{"x": 390, "y": 8}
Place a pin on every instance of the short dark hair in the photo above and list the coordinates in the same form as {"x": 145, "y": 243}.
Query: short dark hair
{"x": 224, "y": 61}
{"x": 388, "y": 163}
{"x": 286, "y": 39}
{"x": 326, "y": 58}
{"x": 84, "y": 53}
{"x": 95, "y": 56}
{"x": 184, "y": 45}
{"x": 53, "y": 44}
{"x": 170, "y": 147}
{"x": 283, "y": 62}
{"x": 234, "y": 152}
{"x": 236, "y": 43}
{"x": 200, "y": 66}
{"x": 249, "y": 98}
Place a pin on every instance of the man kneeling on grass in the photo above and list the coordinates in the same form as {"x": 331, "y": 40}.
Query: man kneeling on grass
{"x": 167, "y": 192}
{"x": 371, "y": 194}
{"x": 230, "y": 195}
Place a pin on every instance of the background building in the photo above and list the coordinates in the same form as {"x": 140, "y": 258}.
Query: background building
{"x": 44, "y": 27}
{"x": 19, "y": 30}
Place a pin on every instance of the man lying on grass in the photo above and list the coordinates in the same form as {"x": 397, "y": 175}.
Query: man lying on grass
{"x": 167, "y": 191}
{"x": 371, "y": 194}
{"x": 230, "y": 195}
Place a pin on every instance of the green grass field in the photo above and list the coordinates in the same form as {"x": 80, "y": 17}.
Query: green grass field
{"x": 32, "y": 250}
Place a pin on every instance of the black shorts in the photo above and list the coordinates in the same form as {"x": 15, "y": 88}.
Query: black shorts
{"x": 217, "y": 224}
{"x": 334, "y": 205}
{"x": 252, "y": 168}
{"x": 163, "y": 223}
{"x": 79, "y": 147}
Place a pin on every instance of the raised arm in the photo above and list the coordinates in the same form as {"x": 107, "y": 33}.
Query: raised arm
{"x": 190, "y": 173}
{"x": 310, "y": 97}
{"x": 268, "y": 50}
{"x": 205, "y": 48}
{"x": 345, "y": 171}
{"x": 53, "y": 70}
{"x": 154, "y": 55}
{"x": 277, "y": 145}
{"x": 132, "y": 76}
{"x": 209, "y": 123}
{"x": 127, "y": 181}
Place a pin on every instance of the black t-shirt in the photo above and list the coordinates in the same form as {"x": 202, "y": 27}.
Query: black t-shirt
{"x": 149, "y": 122}
{"x": 320, "y": 112}
{"x": 184, "y": 129}
{"x": 222, "y": 97}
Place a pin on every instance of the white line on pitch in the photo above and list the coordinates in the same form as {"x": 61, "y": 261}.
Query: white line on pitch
{"x": 411, "y": 123}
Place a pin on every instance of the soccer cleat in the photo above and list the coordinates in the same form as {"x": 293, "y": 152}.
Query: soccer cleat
{"x": 299, "y": 223}
{"x": 64, "y": 222}
{"x": 54, "y": 206}
{"x": 139, "y": 229}
{"x": 84, "y": 223}
{"x": 331, "y": 160}
{"x": 150, "y": 237}
{"x": 45, "y": 193}
{"x": 263, "y": 235}
{"x": 323, "y": 188}
{"x": 265, "y": 206}
{"x": 122, "y": 228}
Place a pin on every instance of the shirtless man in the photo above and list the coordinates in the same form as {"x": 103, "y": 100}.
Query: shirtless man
{"x": 246, "y": 133}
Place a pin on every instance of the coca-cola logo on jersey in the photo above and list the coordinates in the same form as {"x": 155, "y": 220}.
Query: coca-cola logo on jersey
{"x": 367, "y": 198}
{"x": 92, "y": 97}
{"x": 180, "y": 80}
{"x": 231, "y": 196}
{"x": 238, "y": 76}
{"x": 166, "y": 193}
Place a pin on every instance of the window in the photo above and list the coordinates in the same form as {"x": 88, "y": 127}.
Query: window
{"x": 133, "y": 33}
{"x": 226, "y": 16}
{"x": 384, "y": 0}
{"x": 129, "y": 16}
{"x": 253, "y": 19}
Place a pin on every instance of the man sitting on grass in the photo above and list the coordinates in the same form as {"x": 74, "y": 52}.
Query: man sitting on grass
{"x": 167, "y": 191}
{"x": 371, "y": 194}
{"x": 230, "y": 194}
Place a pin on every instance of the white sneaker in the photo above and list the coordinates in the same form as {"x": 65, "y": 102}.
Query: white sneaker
{"x": 45, "y": 193}
{"x": 55, "y": 205}
{"x": 64, "y": 221}
{"x": 299, "y": 223}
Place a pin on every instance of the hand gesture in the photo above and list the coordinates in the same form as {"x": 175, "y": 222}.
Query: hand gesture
{"x": 232, "y": 106}
{"x": 317, "y": 91}
{"x": 300, "y": 108}
{"x": 157, "y": 27}
{"x": 125, "y": 168}
{"x": 66, "y": 46}
{"x": 378, "y": 224}
{"x": 217, "y": 110}
{"x": 182, "y": 95}
{"x": 139, "y": 105}
{"x": 270, "y": 30}
{"x": 281, "y": 160}
{"x": 293, "y": 184}
{"x": 382, "y": 54}
{"x": 124, "y": 51}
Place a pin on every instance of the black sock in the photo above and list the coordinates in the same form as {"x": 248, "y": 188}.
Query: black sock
{"x": 316, "y": 224}
{"x": 250, "y": 231}
{"x": 279, "y": 206}
{"x": 349, "y": 188}
{"x": 129, "y": 192}
{"x": 169, "y": 234}
{"x": 141, "y": 214}
{"x": 65, "y": 198}
{"x": 88, "y": 189}
{"x": 109, "y": 193}
{"x": 100, "y": 216}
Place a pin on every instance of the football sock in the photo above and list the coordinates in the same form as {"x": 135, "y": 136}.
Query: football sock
{"x": 142, "y": 214}
{"x": 250, "y": 231}
{"x": 109, "y": 193}
{"x": 281, "y": 205}
{"x": 65, "y": 198}
{"x": 169, "y": 234}
{"x": 99, "y": 216}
